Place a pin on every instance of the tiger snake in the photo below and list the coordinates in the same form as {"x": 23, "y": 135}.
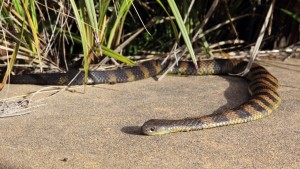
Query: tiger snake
{"x": 262, "y": 87}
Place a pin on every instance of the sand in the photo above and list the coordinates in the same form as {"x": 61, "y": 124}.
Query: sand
{"x": 100, "y": 128}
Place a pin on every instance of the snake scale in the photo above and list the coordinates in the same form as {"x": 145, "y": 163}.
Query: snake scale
{"x": 262, "y": 87}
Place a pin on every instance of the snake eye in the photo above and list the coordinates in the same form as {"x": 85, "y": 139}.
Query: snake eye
{"x": 152, "y": 129}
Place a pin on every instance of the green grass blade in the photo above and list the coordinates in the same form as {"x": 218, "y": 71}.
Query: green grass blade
{"x": 81, "y": 26}
{"x": 91, "y": 10}
{"x": 115, "y": 55}
{"x": 291, "y": 14}
{"x": 183, "y": 30}
{"x": 171, "y": 21}
{"x": 34, "y": 27}
{"x": 18, "y": 7}
{"x": 103, "y": 9}
{"x": 124, "y": 8}
{"x": 12, "y": 60}
{"x": 33, "y": 13}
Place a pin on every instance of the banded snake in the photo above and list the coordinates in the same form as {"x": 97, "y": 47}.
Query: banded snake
{"x": 262, "y": 86}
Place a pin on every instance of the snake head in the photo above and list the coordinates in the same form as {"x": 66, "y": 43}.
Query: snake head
{"x": 157, "y": 127}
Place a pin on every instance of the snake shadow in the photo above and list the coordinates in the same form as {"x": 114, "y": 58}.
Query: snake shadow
{"x": 235, "y": 94}
{"x": 133, "y": 130}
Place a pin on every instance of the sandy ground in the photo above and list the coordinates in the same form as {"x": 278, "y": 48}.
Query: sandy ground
{"x": 100, "y": 128}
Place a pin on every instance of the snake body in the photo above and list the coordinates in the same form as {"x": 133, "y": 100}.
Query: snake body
{"x": 262, "y": 86}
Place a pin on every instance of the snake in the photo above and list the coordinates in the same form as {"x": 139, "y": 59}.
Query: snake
{"x": 263, "y": 89}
